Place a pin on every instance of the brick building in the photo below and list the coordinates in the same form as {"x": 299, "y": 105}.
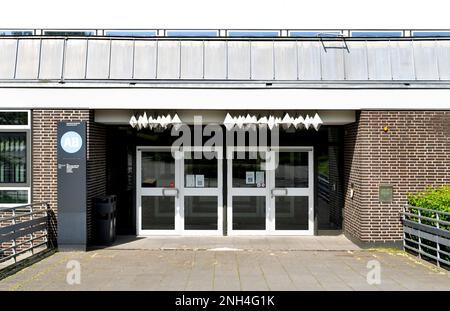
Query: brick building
{"x": 352, "y": 124}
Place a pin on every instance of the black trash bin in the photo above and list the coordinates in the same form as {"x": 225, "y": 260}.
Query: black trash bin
{"x": 104, "y": 219}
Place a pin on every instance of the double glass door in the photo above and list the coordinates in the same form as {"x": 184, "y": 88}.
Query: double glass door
{"x": 270, "y": 191}
{"x": 179, "y": 192}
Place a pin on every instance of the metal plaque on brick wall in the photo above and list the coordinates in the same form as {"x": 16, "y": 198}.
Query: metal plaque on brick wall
{"x": 71, "y": 146}
{"x": 385, "y": 193}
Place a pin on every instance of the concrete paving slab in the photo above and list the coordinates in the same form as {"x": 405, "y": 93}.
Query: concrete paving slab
{"x": 143, "y": 269}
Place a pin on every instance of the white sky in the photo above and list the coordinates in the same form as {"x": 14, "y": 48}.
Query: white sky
{"x": 224, "y": 14}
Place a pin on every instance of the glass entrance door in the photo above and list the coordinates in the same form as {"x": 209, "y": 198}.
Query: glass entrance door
{"x": 201, "y": 191}
{"x": 179, "y": 193}
{"x": 248, "y": 203}
{"x": 270, "y": 192}
{"x": 157, "y": 194}
{"x": 292, "y": 191}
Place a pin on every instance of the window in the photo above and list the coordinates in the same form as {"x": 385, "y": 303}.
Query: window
{"x": 383, "y": 34}
{"x": 431, "y": 33}
{"x": 16, "y": 32}
{"x": 134, "y": 33}
{"x": 14, "y": 157}
{"x": 191, "y": 33}
{"x": 314, "y": 33}
{"x": 242, "y": 33}
{"x": 68, "y": 33}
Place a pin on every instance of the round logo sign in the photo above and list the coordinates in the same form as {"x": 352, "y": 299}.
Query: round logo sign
{"x": 71, "y": 142}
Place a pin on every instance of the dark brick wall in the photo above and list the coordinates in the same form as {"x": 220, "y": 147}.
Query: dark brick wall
{"x": 335, "y": 178}
{"x": 44, "y": 134}
{"x": 413, "y": 154}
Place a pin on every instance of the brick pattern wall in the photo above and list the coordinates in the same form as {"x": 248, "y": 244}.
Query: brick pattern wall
{"x": 335, "y": 173}
{"x": 96, "y": 165}
{"x": 44, "y": 135}
{"x": 413, "y": 154}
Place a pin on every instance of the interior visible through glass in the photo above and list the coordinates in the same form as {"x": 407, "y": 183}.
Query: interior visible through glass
{"x": 200, "y": 212}
{"x": 249, "y": 213}
{"x": 158, "y": 213}
{"x": 200, "y": 173}
{"x": 13, "y": 157}
{"x": 291, "y": 213}
{"x": 249, "y": 171}
{"x": 158, "y": 169}
{"x": 292, "y": 170}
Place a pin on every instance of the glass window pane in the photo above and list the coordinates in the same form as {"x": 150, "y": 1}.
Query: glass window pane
{"x": 13, "y": 196}
{"x": 291, "y": 213}
{"x": 292, "y": 170}
{"x": 16, "y": 33}
{"x": 249, "y": 170}
{"x": 158, "y": 169}
{"x": 249, "y": 213}
{"x": 431, "y": 34}
{"x": 120, "y": 33}
{"x": 191, "y": 33}
{"x": 375, "y": 34}
{"x": 199, "y": 173}
{"x": 13, "y": 118}
{"x": 253, "y": 33}
{"x": 200, "y": 213}
{"x": 68, "y": 33}
{"x": 13, "y": 158}
{"x": 158, "y": 213}
{"x": 313, "y": 34}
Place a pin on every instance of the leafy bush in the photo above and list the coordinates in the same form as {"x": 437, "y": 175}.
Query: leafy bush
{"x": 432, "y": 198}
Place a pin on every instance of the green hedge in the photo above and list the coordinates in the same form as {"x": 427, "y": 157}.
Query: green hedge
{"x": 432, "y": 198}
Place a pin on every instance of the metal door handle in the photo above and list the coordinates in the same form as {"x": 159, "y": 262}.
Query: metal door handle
{"x": 278, "y": 192}
{"x": 170, "y": 192}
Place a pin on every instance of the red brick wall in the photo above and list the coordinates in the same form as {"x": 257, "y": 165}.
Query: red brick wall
{"x": 413, "y": 154}
{"x": 44, "y": 135}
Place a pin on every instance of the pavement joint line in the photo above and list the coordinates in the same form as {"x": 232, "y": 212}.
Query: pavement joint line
{"x": 214, "y": 271}
{"x": 264, "y": 276}
{"x": 238, "y": 270}
{"x": 285, "y": 270}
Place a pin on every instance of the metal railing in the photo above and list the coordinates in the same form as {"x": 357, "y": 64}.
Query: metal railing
{"x": 215, "y": 32}
{"x": 426, "y": 232}
{"x": 25, "y": 229}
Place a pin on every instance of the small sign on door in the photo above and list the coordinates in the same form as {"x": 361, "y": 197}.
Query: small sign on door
{"x": 199, "y": 181}
{"x": 249, "y": 178}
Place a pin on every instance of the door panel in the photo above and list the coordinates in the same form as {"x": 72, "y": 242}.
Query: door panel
{"x": 179, "y": 195}
{"x": 158, "y": 213}
{"x": 292, "y": 199}
{"x": 200, "y": 213}
{"x": 249, "y": 213}
{"x": 271, "y": 194}
{"x": 157, "y": 196}
{"x": 291, "y": 213}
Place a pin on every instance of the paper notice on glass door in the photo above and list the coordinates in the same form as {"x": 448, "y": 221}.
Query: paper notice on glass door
{"x": 199, "y": 181}
{"x": 190, "y": 181}
{"x": 260, "y": 181}
{"x": 249, "y": 178}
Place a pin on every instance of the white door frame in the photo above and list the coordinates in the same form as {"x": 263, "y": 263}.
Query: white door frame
{"x": 267, "y": 192}
{"x": 242, "y": 191}
{"x": 308, "y": 192}
{"x": 218, "y": 191}
{"x": 179, "y": 192}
